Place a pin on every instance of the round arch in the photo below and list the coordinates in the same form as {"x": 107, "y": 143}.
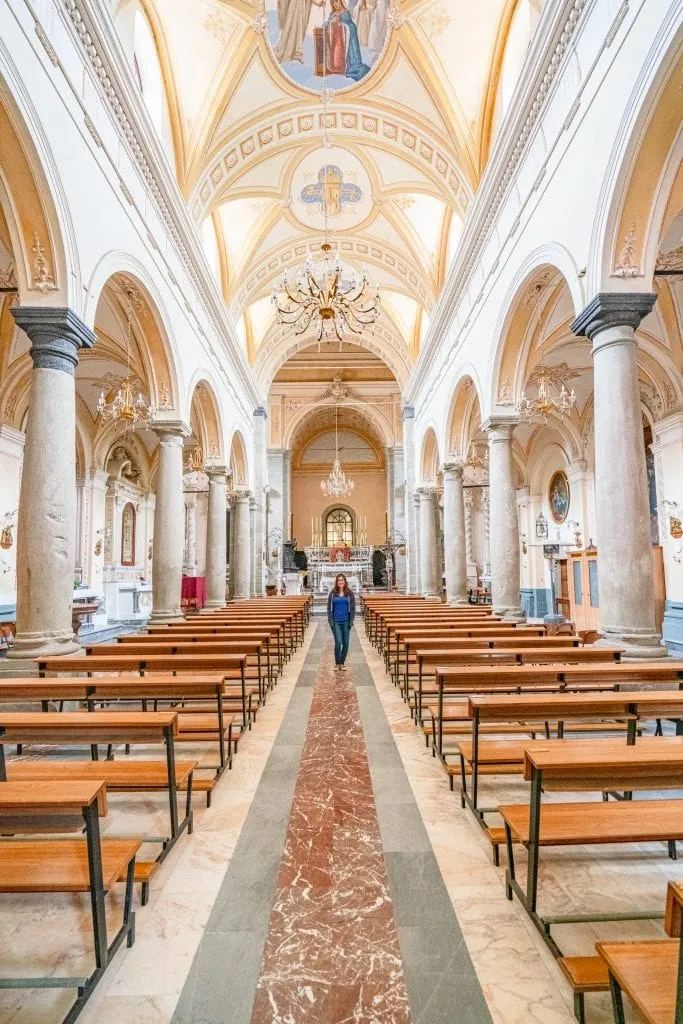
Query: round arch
{"x": 33, "y": 202}
{"x": 381, "y": 428}
{"x": 204, "y": 405}
{"x": 464, "y": 409}
{"x": 162, "y": 363}
{"x": 644, "y": 170}
{"x": 430, "y": 462}
{"x": 551, "y": 268}
{"x": 238, "y": 461}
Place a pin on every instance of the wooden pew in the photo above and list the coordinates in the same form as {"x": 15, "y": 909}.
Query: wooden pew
{"x": 653, "y": 763}
{"x": 154, "y": 688}
{"x": 190, "y": 631}
{"x": 650, "y": 972}
{"x": 88, "y": 865}
{"x": 82, "y": 727}
{"x": 461, "y": 681}
{"x": 511, "y": 653}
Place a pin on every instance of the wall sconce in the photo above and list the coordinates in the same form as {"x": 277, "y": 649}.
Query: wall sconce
{"x": 541, "y": 527}
{"x": 669, "y": 509}
{"x": 576, "y": 526}
{"x": 8, "y": 523}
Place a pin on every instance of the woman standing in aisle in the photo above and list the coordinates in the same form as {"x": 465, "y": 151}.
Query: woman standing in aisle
{"x": 341, "y": 610}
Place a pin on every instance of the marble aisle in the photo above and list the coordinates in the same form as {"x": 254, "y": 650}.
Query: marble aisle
{"x": 332, "y": 952}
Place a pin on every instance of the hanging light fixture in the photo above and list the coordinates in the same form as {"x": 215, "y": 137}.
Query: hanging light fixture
{"x": 337, "y": 485}
{"x": 128, "y": 404}
{"x": 321, "y": 298}
{"x": 553, "y": 395}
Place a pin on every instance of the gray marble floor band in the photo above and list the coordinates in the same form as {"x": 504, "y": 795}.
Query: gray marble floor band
{"x": 222, "y": 981}
{"x": 441, "y": 981}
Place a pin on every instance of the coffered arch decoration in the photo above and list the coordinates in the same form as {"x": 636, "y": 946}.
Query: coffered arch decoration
{"x": 367, "y": 422}
{"x": 280, "y": 345}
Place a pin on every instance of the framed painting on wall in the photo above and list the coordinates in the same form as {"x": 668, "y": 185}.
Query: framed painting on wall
{"x": 558, "y": 496}
{"x": 128, "y": 534}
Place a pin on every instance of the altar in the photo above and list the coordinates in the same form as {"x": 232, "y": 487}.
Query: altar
{"x": 324, "y": 564}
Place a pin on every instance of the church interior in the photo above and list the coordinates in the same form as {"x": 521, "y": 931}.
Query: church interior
{"x": 341, "y": 511}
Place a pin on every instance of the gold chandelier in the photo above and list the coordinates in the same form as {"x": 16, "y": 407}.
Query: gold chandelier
{"x": 553, "y": 395}
{"x": 321, "y": 298}
{"x": 128, "y": 405}
{"x": 195, "y": 461}
{"x": 337, "y": 485}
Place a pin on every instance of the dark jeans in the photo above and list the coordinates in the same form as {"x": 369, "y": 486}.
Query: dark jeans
{"x": 341, "y": 631}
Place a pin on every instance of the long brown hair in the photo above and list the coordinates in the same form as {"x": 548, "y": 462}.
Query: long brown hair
{"x": 336, "y": 584}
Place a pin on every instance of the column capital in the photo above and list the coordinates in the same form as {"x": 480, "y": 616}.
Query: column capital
{"x": 427, "y": 492}
{"x": 170, "y": 429}
{"x": 500, "y": 428}
{"x": 241, "y": 497}
{"x": 57, "y": 335}
{"x": 453, "y": 470}
{"x": 613, "y": 309}
{"x": 216, "y": 470}
{"x": 260, "y": 412}
{"x": 408, "y": 412}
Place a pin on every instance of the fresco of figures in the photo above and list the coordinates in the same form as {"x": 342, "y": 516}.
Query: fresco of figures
{"x": 338, "y": 40}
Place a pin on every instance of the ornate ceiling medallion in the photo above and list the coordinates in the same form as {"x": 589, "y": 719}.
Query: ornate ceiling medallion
{"x": 337, "y": 40}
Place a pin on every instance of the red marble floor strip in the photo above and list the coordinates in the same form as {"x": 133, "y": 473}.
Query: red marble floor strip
{"x": 332, "y": 954}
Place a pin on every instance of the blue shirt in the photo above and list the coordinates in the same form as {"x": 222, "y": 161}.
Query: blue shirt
{"x": 341, "y": 609}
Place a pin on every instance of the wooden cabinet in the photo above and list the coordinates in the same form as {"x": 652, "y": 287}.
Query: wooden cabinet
{"x": 583, "y": 588}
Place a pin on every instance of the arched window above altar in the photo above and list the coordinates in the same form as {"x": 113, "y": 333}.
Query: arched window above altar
{"x": 338, "y": 528}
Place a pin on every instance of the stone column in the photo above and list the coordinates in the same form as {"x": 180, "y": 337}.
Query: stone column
{"x": 169, "y": 521}
{"x": 260, "y": 442}
{"x": 286, "y": 494}
{"x": 417, "y": 579}
{"x": 190, "y": 546}
{"x": 46, "y": 526}
{"x": 428, "y": 542}
{"x": 216, "y": 553}
{"x": 504, "y": 524}
{"x": 412, "y": 562}
{"x": 626, "y": 591}
{"x": 253, "y": 546}
{"x": 455, "y": 534}
{"x": 241, "y": 564}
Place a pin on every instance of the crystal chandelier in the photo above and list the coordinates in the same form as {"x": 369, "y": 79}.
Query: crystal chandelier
{"x": 553, "y": 395}
{"x": 321, "y": 298}
{"x": 337, "y": 485}
{"x": 128, "y": 404}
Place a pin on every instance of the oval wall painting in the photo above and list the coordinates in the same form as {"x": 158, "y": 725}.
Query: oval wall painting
{"x": 558, "y": 496}
{"x": 338, "y": 39}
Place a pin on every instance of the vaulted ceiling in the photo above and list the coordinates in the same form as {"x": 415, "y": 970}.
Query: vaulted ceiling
{"x": 411, "y": 111}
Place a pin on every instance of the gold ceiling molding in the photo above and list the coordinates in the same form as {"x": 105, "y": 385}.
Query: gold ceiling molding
{"x": 380, "y": 254}
{"x": 396, "y": 133}
{"x": 488, "y": 106}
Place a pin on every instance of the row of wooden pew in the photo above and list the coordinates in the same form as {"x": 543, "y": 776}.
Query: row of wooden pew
{"x": 494, "y": 698}
{"x": 197, "y": 682}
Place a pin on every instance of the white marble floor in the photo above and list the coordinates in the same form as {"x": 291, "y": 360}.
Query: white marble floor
{"x": 519, "y": 978}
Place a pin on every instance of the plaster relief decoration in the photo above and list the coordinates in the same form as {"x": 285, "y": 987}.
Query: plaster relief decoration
{"x": 340, "y": 40}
